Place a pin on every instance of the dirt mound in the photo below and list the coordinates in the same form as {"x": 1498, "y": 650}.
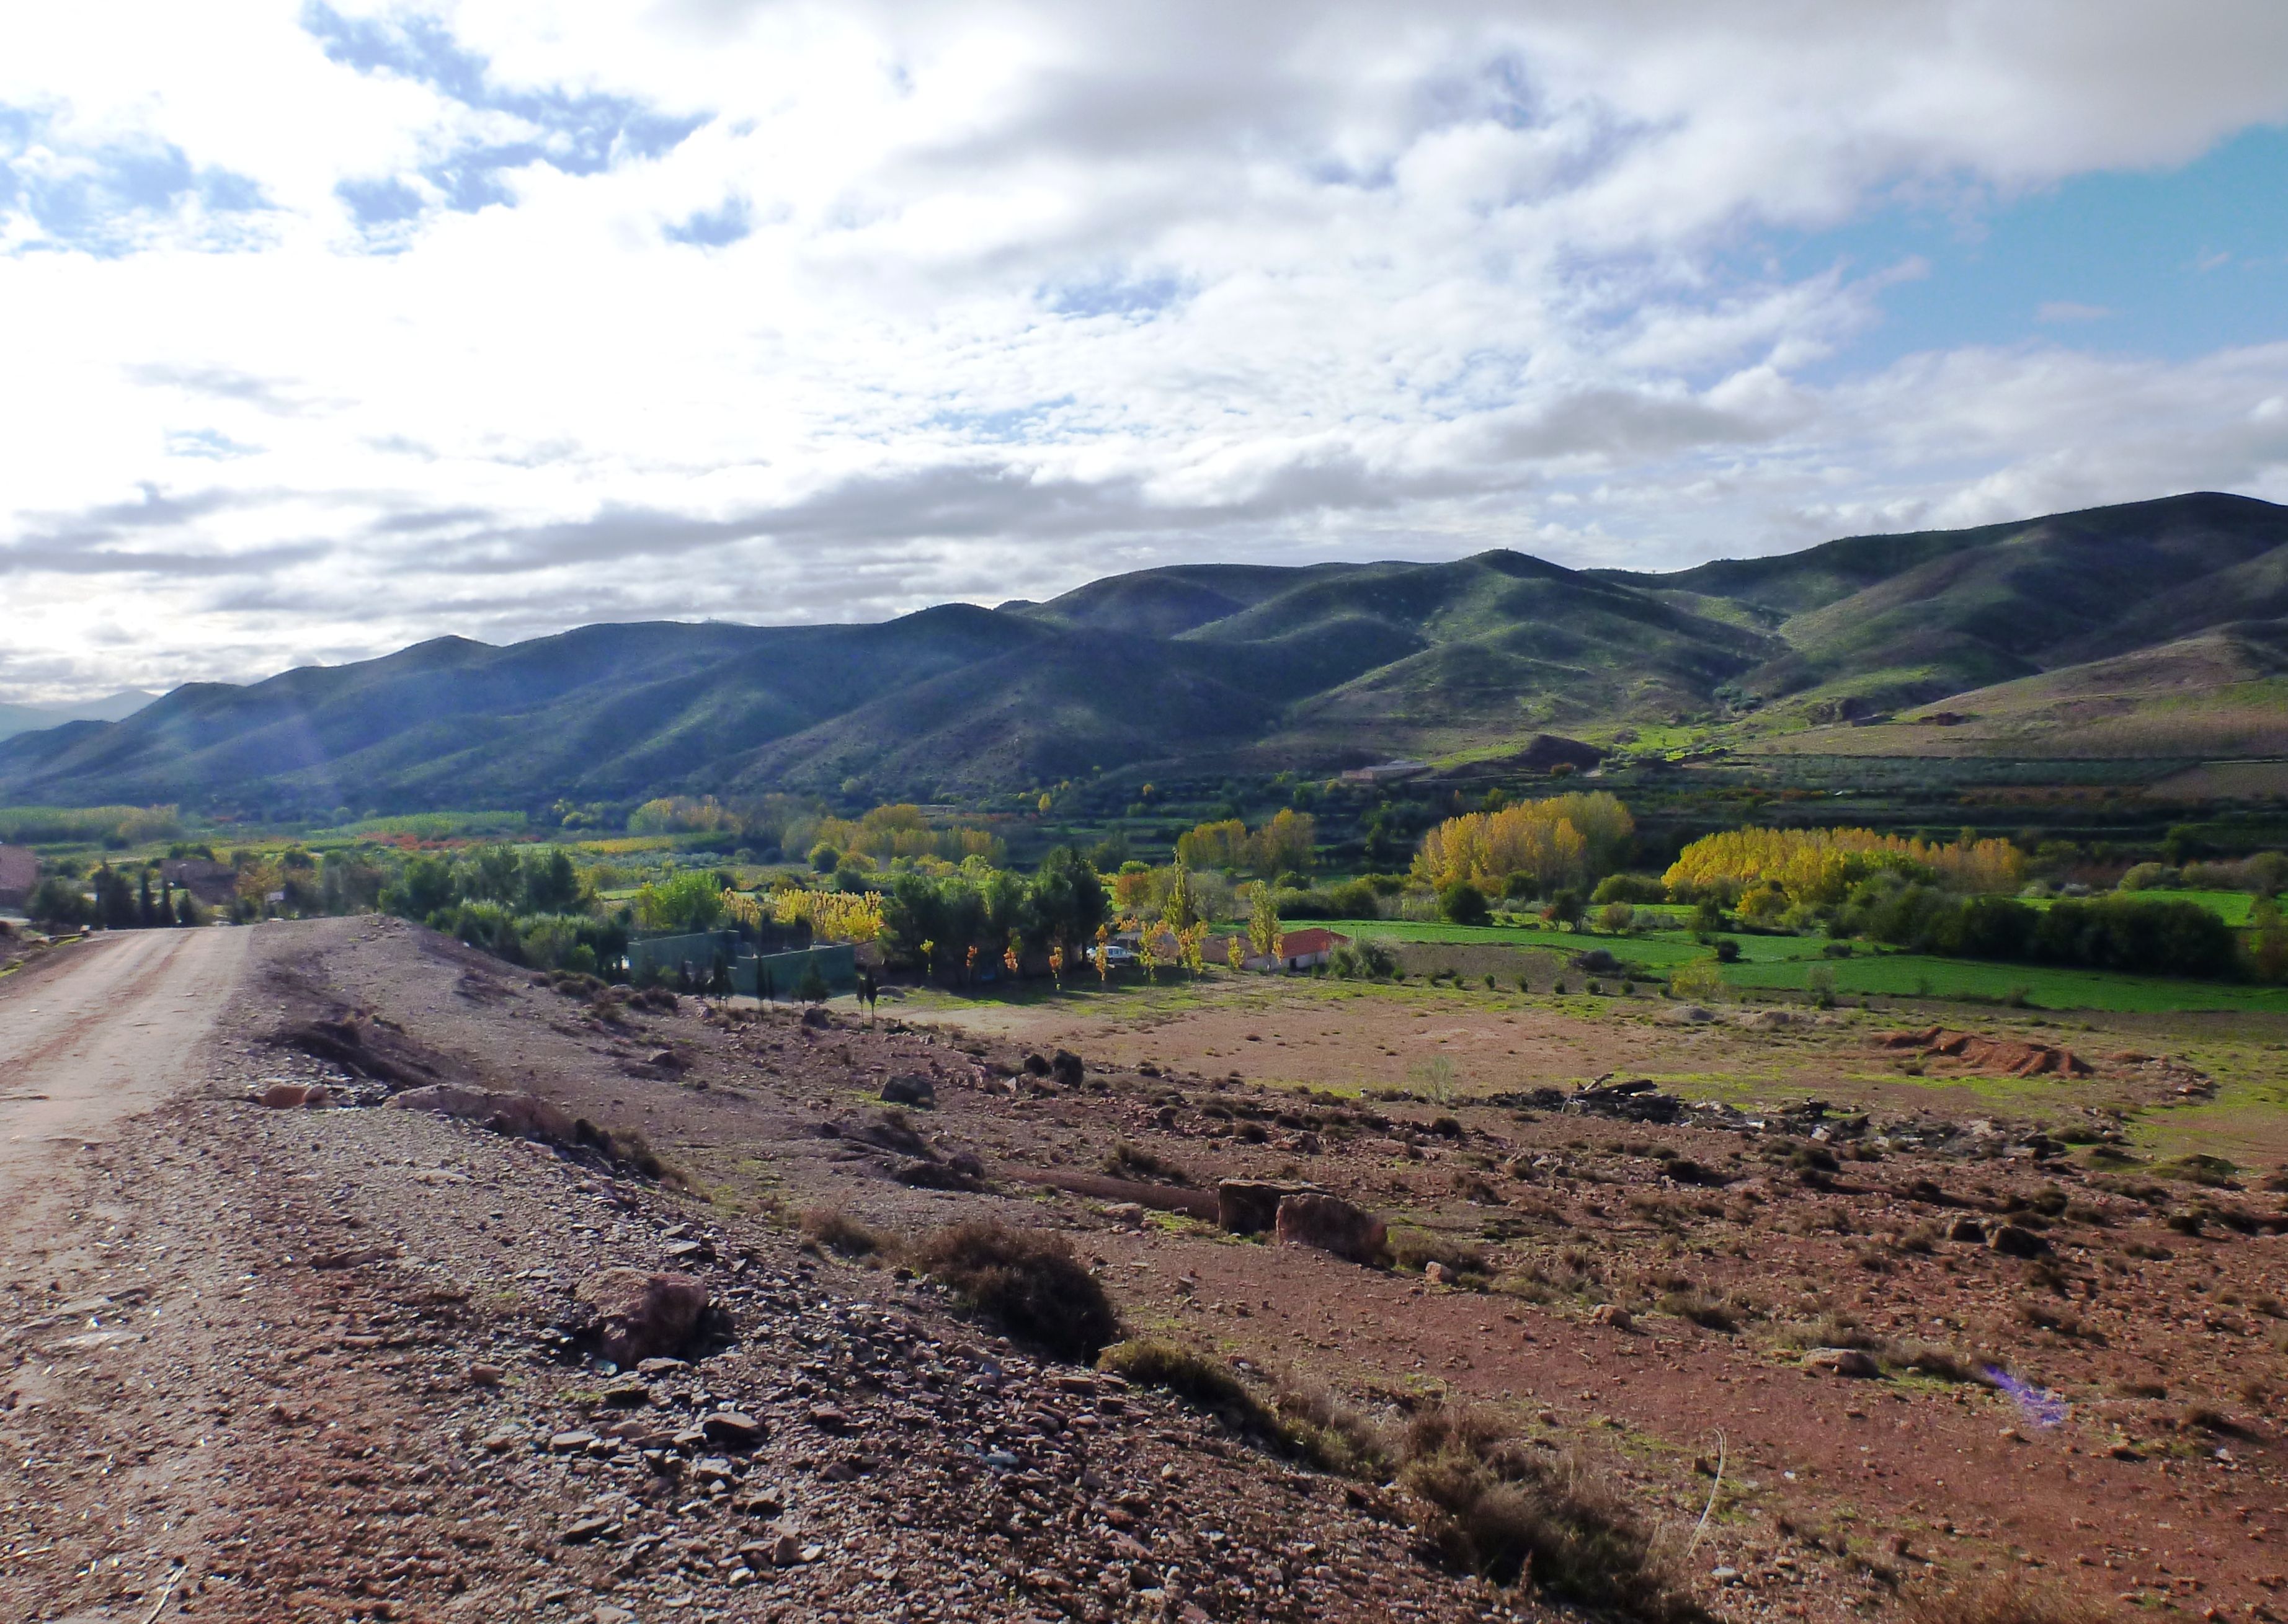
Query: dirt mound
{"x": 520, "y": 1114}
{"x": 2012, "y": 1057}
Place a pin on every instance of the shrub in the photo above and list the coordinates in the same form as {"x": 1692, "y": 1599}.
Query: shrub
{"x": 1028, "y": 1282}
{"x": 838, "y": 1232}
{"x": 1499, "y": 1511}
{"x": 1629, "y": 888}
{"x": 1462, "y": 903}
{"x": 1700, "y": 979}
{"x": 59, "y": 905}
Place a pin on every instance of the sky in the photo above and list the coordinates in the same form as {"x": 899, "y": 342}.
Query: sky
{"x": 329, "y": 327}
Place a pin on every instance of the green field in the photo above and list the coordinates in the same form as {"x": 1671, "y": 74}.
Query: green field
{"x": 1784, "y": 964}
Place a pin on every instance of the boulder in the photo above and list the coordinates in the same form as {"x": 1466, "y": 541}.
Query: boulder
{"x": 1967, "y": 1229}
{"x": 911, "y": 1088}
{"x": 1067, "y": 1068}
{"x": 640, "y": 1316}
{"x": 2012, "y": 1240}
{"x": 288, "y": 1095}
{"x": 1614, "y": 1315}
{"x": 1332, "y": 1224}
{"x": 1250, "y": 1206}
{"x": 734, "y": 1428}
{"x": 522, "y": 1114}
{"x": 1841, "y": 1362}
{"x": 1438, "y": 1273}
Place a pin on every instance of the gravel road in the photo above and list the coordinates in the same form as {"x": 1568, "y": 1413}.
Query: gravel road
{"x": 102, "y": 1034}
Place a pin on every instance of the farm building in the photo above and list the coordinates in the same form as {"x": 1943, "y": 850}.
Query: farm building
{"x": 20, "y": 872}
{"x": 1304, "y": 949}
{"x": 216, "y": 884}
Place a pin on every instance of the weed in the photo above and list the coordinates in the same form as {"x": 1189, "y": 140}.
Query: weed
{"x": 1028, "y": 1281}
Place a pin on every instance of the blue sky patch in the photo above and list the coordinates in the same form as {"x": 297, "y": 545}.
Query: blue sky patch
{"x": 713, "y": 228}
{"x": 581, "y": 132}
{"x": 2169, "y": 263}
{"x": 109, "y": 198}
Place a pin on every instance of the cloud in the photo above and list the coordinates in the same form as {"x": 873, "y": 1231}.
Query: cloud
{"x": 67, "y": 189}
{"x": 339, "y": 325}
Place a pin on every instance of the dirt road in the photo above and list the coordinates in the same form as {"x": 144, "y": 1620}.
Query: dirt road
{"x": 102, "y": 1035}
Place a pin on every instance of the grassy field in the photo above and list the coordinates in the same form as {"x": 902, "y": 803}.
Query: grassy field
{"x": 1784, "y": 964}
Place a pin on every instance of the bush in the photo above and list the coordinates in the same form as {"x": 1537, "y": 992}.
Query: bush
{"x": 1362, "y": 962}
{"x": 1028, "y": 1282}
{"x": 59, "y": 904}
{"x": 1463, "y": 904}
{"x": 1499, "y": 1511}
{"x": 1629, "y": 888}
{"x": 2148, "y": 876}
{"x": 1351, "y": 899}
{"x": 1700, "y": 979}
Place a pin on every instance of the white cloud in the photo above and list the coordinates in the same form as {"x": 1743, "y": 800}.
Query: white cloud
{"x": 359, "y": 324}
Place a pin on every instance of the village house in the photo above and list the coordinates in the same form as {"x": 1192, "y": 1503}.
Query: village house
{"x": 213, "y": 883}
{"x": 20, "y": 873}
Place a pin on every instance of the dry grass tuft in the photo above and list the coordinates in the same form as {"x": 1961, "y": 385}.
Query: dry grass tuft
{"x": 1028, "y": 1281}
{"x": 1497, "y": 1510}
{"x": 2012, "y": 1600}
{"x": 837, "y": 1231}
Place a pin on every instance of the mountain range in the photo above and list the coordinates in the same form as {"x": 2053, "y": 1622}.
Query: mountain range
{"x": 112, "y": 707}
{"x": 2167, "y": 620}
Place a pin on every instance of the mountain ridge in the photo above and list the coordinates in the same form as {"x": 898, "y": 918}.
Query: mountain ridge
{"x": 1204, "y": 667}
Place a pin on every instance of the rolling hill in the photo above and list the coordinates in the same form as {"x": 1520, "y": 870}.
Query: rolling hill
{"x": 2164, "y": 621}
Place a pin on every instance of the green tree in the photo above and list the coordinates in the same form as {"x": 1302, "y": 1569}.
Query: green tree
{"x": 1068, "y": 901}
{"x": 1463, "y": 904}
{"x": 550, "y": 883}
{"x": 811, "y": 986}
{"x": 57, "y": 904}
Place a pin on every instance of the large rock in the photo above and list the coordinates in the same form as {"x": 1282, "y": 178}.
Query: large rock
{"x": 521, "y": 1114}
{"x": 2012, "y": 1241}
{"x": 911, "y": 1088}
{"x": 641, "y": 1316}
{"x": 1250, "y": 1206}
{"x": 1332, "y": 1224}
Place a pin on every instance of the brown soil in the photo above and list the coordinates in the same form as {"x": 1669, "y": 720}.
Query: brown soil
{"x": 197, "y": 1419}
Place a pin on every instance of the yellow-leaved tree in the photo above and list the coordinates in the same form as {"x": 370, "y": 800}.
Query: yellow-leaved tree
{"x": 1555, "y": 842}
{"x": 1818, "y": 867}
{"x": 1263, "y": 935}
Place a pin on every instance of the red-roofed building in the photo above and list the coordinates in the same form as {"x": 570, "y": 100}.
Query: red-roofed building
{"x": 1301, "y": 949}
{"x": 20, "y": 872}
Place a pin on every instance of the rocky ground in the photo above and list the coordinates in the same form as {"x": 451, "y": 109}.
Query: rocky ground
{"x": 270, "y": 1362}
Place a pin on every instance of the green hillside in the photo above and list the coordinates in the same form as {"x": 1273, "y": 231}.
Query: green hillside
{"x": 2157, "y": 626}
